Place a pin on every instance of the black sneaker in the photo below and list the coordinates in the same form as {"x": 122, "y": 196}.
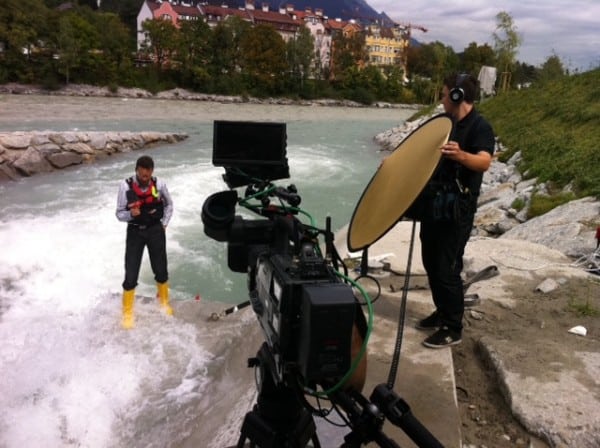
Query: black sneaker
{"x": 433, "y": 322}
{"x": 444, "y": 337}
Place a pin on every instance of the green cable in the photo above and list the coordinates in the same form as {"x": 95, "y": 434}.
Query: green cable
{"x": 245, "y": 200}
{"x": 244, "y": 203}
{"x": 305, "y": 213}
{"x": 363, "y": 348}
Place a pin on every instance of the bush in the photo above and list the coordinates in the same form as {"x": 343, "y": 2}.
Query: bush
{"x": 518, "y": 204}
{"x": 361, "y": 95}
{"x": 542, "y": 203}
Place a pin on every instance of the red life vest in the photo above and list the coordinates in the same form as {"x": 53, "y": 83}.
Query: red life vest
{"x": 149, "y": 202}
{"x": 146, "y": 197}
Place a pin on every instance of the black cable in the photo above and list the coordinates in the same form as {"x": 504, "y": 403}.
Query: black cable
{"x": 402, "y": 314}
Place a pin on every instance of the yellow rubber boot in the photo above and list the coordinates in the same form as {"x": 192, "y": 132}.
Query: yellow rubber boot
{"x": 128, "y": 299}
{"x": 163, "y": 297}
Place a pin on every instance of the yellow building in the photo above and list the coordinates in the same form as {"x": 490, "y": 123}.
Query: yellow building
{"x": 387, "y": 46}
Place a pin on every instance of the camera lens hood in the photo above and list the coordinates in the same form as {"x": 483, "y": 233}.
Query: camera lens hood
{"x": 218, "y": 212}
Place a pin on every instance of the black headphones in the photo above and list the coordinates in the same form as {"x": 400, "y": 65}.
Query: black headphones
{"x": 457, "y": 94}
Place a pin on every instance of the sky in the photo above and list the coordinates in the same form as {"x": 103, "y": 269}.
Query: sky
{"x": 569, "y": 29}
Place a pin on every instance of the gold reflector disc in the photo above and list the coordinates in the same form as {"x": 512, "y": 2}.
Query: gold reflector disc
{"x": 398, "y": 182}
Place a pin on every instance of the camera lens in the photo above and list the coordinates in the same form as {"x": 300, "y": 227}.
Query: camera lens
{"x": 218, "y": 212}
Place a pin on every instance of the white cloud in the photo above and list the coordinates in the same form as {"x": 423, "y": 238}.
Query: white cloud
{"x": 568, "y": 28}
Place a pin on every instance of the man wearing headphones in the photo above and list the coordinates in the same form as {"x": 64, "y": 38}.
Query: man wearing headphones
{"x": 465, "y": 157}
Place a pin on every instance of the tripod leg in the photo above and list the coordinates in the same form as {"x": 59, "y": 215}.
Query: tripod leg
{"x": 257, "y": 431}
{"x": 315, "y": 441}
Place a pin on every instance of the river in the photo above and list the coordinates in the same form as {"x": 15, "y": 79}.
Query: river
{"x": 70, "y": 375}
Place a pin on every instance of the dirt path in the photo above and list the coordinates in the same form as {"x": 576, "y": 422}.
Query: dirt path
{"x": 538, "y": 325}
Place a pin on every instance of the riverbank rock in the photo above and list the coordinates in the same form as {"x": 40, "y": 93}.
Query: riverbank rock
{"x": 183, "y": 94}
{"x": 29, "y": 153}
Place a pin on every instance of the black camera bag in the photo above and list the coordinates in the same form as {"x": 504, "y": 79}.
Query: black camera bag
{"x": 438, "y": 202}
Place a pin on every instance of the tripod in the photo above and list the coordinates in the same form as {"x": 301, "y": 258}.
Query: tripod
{"x": 278, "y": 419}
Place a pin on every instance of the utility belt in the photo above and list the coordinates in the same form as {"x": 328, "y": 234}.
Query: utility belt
{"x": 143, "y": 226}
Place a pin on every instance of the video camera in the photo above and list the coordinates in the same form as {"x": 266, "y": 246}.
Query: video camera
{"x": 305, "y": 311}
{"x": 310, "y": 318}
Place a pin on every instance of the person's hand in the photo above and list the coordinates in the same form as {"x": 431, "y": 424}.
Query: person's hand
{"x": 451, "y": 150}
{"x": 135, "y": 211}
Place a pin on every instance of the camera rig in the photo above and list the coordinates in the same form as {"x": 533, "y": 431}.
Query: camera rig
{"x": 314, "y": 327}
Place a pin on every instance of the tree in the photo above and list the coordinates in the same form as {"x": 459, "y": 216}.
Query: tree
{"x": 432, "y": 61}
{"x": 372, "y": 80}
{"x": 552, "y": 69}
{"x": 524, "y": 74}
{"x": 394, "y": 84}
{"x": 224, "y": 66}
{"x": 476, "y": 56}
{"x": 348, "y": 53}
{"x": 193, "y": 52}
{"x": 300, "y": 55}
{"x": 506, "y": 44}
{"x": 222, "y": 51}
{"x": 115, "y": 47}
{"x": 68, "y": 48}
{"x": 263, "y": 59}
{"x": 22, "y": 34}
{"x": 127, "y": 10}
{"x": 77, "y": 39}
{"x": 161, "y": 40}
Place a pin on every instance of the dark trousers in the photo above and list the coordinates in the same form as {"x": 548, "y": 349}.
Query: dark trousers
{"x": 137, "y": 239}
{"x": 442, "y": 250}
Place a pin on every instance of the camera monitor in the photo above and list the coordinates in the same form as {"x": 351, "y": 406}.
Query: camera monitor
{"x": 250, "y": 151}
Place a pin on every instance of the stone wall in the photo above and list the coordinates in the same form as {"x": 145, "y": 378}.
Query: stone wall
{"x": 29, "y": 153}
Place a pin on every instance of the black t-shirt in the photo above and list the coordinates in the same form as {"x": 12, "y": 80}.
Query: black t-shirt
{"x": 473, "y": 134}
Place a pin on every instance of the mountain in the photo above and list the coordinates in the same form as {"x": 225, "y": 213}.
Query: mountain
{"x": 343, "y": 9}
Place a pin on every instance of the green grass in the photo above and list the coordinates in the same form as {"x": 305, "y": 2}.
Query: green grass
{"x": 542, "y": 203}
{"x": 583, "y": 309}
{"x": 518, "y": 204}
{"x": 556, "y": 126}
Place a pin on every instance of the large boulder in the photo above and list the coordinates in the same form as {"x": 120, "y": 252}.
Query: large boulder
{"x": 32, "y": 162}
{"x": 569, "y": 228}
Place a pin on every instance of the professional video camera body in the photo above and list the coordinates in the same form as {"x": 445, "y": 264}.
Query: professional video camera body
{"x": 315, "y": 330}
{"x": 304, "y": 309}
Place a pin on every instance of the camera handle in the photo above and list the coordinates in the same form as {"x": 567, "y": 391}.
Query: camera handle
{"x": 367, "y": 418}
{"x": 398, "y": 412}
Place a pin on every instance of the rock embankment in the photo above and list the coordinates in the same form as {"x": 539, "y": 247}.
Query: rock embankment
{"x": 187, "y": 95}
{"x": 28, "y": 153}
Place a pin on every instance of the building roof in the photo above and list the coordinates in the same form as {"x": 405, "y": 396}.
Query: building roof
{"x": 186, "y": 10}
{"x": 223, "y": 11}
{"x": 275, "y": 17}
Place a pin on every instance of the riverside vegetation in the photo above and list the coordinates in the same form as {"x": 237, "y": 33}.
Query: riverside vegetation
{"x": 555, "y": 127}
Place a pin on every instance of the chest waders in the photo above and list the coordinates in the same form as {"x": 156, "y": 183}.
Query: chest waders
{"x": 151, "y": 207}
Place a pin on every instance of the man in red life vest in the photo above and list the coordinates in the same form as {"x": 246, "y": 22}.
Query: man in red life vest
{"x": 145, "y": 204}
